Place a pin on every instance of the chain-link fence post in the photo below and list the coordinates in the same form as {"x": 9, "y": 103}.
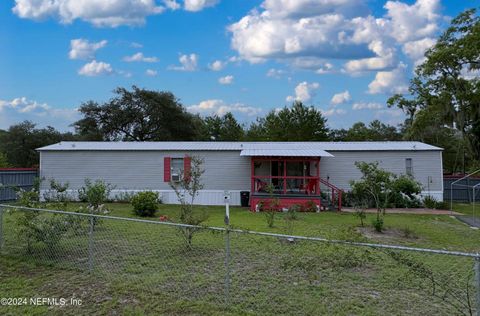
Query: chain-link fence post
{"x": 477, "y": 284}
{"x": 1, "y": 228}
{"x": 90, "y": 244}
{"x": 227, "y": 248}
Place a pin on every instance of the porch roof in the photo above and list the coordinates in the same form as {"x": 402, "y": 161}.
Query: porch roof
{"x": 285, "y": 152}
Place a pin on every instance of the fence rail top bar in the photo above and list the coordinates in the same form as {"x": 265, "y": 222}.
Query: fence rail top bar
{"x": 332, "y": 241}
{"x": 18, "y": 169}
{"x": 468, "y": 175}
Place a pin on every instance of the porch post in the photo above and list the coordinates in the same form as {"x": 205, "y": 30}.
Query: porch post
{"x": 252, "y": 174}
{"x": 317, "y": 190}
{"x": 284, "y": 176}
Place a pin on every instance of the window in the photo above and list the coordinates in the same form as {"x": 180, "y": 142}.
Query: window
{"x": 409, "y": 166}
{"x": 177, "y": 169}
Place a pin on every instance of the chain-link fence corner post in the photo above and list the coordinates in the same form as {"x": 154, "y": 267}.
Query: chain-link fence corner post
{"x": 477, "y": 283}
{"x": 1, "y": 228}
{"x": 90, "y": 243}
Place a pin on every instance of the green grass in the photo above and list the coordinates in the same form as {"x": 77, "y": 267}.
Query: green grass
{"x": 146, "y": 269}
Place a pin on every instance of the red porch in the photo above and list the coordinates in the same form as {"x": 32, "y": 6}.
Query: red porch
{"x": 279, "y": 182}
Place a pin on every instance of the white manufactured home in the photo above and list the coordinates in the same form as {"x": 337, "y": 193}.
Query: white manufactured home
{"x": 297, "y": 171}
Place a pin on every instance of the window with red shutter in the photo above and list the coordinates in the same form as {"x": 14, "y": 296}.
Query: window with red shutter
{"x": 166, "y": 169}
{"x": 187, "y": 166}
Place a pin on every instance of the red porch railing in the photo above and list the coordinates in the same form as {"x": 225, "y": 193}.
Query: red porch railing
{"x": 336, "y": 193}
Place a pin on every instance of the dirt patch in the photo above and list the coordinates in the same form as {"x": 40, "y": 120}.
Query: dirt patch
{"x": 389, "y": 234}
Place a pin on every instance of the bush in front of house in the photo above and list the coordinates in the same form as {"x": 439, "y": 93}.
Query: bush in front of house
{"x": 145, "y": 203}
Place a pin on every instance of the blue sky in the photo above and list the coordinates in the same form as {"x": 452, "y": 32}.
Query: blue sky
{"x": 345, "y": 57}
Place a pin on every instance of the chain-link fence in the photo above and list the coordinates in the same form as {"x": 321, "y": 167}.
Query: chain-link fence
{"x": 170, "y": 268}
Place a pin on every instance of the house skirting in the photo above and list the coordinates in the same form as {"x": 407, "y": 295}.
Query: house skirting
{"x": 205, "y": 197}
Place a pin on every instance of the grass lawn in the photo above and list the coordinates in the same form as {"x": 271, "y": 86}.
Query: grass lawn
{"x": 146, "y": 269}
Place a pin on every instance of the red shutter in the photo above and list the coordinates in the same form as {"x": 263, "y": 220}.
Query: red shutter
{"x": 187, "y": 166}
{"x": 166, "y": 169}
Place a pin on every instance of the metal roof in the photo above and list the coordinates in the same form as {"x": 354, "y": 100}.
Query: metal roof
{"x": 240, "y": 146}
{"x": 285, "y": 152}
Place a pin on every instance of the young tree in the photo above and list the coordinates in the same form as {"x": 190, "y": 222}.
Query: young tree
{"x": 376, "y": 183}
{"x": 187, "y": 190}
{"x": 137, "y": 115}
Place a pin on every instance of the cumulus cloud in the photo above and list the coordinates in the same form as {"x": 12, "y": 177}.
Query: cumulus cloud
{"x": 219, "y": 107}
{"x": 83, "y": 49}
{"x": 341, "y": 98}
{"x": 100, "y": 13}
{"x": 304, "y": 92}
{"x": 187, "y": 63}
{"x": 416, "y": 49}
{"x": 226, "y": 80}
{"x": 389, "y": 82}
{"x": 306, "y": 33}
{"x": 95, "y": 68}
{"x": 217, "y": 65}
{"x": 366, "y": 106}
{"x": 198, "y": 5}
{"x": 139, "y": 57}
{"x": 413, "y": 22}
{"x": 20, "y": 109}
{"x": 151, "y": 72}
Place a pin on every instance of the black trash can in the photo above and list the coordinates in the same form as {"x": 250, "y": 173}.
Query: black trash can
{"x": 244, "y": 198}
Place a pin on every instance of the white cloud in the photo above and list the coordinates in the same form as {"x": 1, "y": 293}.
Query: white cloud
{"x": 366, "y": 105}
{"x": 83, "y": 49}
{"x": 217, "y": 65}
{"x": 275, "y": 73}
{"x": 307, "y": 33}
{"x": 100, "y": 13}
{"x": 469, "y": 74}
{"x": 226, "y": 80}
{"x": 219, "y": 107}
{"x": 304, "y": 92}
{"x": 413, "y": 22}
{"x": 416, "y": 49}
{"x": 21, "y": 109}
{"x": 341, "y": 98}
{"x": 140, "y": 58}
{"x": 198, "y": 5}
{"x": 95, "y": 68}
{"x": 385, "y": 59}
{"x": 172, "y": 4}
{"x": 333, "y": 111}
{"x": 389, "y": 82}
{"x": 188, "y": 63}
{"x": 151, "y": 72}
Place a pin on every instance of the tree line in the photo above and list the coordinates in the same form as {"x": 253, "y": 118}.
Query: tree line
{"x": 442, "y": 109}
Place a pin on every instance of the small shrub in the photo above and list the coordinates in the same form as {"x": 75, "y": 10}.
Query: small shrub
{"x": 443, "y": 205}
{"x": 377, "y": 224}
{"x": 407, "y": 232}
{"x": 95, "y": 193}
{"x": 145, "y": 203}
{"x": 310, "y": 206}
{"x": 360, "y": 214}
{"x": 292, "y": 213}
{"x": 429, "y": 202}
